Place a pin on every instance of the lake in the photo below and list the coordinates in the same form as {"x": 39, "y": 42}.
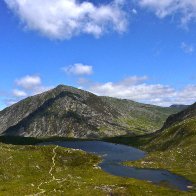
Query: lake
{"x": 115, "y": 154}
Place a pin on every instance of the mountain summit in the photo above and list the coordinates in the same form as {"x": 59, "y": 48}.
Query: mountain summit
{"x": 71, "y": 112}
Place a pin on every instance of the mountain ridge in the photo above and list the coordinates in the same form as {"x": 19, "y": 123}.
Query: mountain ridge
{"x": 71, "y": 112}
{"x": 179, "y": 106}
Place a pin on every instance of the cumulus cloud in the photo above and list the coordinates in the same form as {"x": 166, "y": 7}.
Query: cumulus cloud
{"x": 134, "y": 11}
{"x": 78, "y": 69}
{"x": 139, "y": 92}
{"x": 187, "y": 48}
{"x": 132, "y": 80}
{"x": 188, "y": 93}
{"x": 185, "y": 8}
{"x": 19, "y": 93}
{"x": 135, "y": 88}
{"x": 63, "y": 19}
{"x": 29, "y": 82}
{"x": 26, "y": 86}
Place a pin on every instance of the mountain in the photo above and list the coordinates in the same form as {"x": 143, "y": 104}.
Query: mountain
{"x": 187, "y": 113}
{"x": 179, "y": 106}
{"x": 178, "y": 130}
{"x": 71, "y": 112}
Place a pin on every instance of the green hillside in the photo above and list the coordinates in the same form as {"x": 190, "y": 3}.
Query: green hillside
{"x": 51, "y": 170}
{"x": 140, "y": 118}
{"x": 173, "y": 147}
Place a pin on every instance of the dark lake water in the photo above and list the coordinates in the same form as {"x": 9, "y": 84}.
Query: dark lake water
{"x": 115, "y": 154}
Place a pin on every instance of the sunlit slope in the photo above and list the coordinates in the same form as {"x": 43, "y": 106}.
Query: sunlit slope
{"x": 174, "y": 146}
{"x": 52, "y": 170}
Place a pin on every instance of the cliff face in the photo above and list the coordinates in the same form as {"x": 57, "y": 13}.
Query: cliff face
{"x": 71, "y": 112}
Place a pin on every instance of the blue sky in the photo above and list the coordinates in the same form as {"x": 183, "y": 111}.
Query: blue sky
{"x": 140, "y": 50}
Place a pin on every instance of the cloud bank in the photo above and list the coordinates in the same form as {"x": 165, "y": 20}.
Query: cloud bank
{"x": 137, "y": 89}
{"x": 19, "y": 93}
{"x": 162, "y": 8}
{"x": 63, "y": 19}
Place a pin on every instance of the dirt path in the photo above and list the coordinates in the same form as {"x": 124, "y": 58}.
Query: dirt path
{"x": 42, "y": 191}
{"x": 53, "y": 163}
{"x": 53, "y": 178}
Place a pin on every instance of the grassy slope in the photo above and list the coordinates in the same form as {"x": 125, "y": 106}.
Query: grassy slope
{"x": 62, "y": 171}
{"x": 174, "y": 149}
{"x": 23, "y": 168}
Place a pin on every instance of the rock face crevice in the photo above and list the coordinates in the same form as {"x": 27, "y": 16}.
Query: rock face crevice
{"x": 71, "y": 112}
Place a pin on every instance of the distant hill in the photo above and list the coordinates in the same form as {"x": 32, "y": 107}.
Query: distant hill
{"x": 178, "y": 130}
{"x": 71, "y": 112}
{"x": 179, "y": 106}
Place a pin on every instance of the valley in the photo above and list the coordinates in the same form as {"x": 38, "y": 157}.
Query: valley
{"x": 26, "y": 168}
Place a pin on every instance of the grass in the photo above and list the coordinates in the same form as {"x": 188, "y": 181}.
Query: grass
{"x": 174, "y": 149}
{"x": 25, "y": 168}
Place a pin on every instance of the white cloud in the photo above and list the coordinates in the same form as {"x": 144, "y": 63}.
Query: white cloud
{"x": 63, "y": 19}
{"x": 134, "y": 11}
{"x": 188, "y": 93}
{"x": 133, "y": 80}
{"x": 185, "y": 8}
{"x": 19, "y": 93}
{"x": 78, "y": 69}
{"x": 28, "y": 86}
{"x": 141, "y": 92}
{"x": 134, "y": 88}
{"x": 29, "y": 82}
{"x": 187, "y": 48}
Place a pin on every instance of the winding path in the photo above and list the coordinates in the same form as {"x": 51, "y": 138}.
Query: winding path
{"x": 42, "y": 191}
